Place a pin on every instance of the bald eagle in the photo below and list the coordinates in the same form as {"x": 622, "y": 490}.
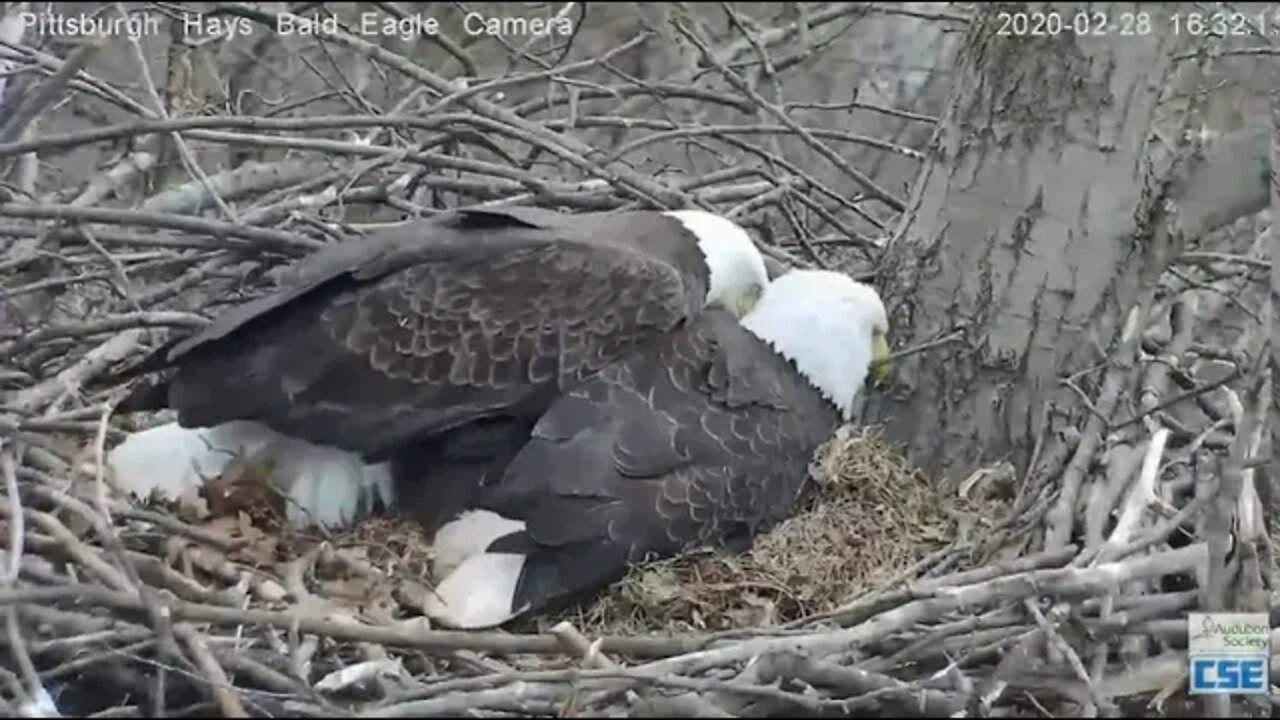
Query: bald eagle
{"x": 425, "y": 342}
{"x": 702, "y": 439}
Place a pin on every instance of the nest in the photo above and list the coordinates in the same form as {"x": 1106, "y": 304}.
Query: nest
{"x": 894, "y": 593}
{"x": 224, "y": 559}
{"x": 873, "y": 517}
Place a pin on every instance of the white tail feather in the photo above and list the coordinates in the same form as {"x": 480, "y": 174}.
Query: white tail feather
{"x": 171, "y": 460}
{"x": 467, "y": 535}
{"x": 329, "y": 486}
{"x": 478, "y": 594}
{"x": 324, "y": 485}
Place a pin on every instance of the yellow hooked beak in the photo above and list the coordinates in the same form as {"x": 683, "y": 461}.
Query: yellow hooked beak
{"x": 881, "y": 369}
{"x": 746, "y": 301}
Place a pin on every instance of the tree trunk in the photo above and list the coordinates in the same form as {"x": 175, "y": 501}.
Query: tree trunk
{"x": 1269, "y": 476}
{"x": 1056, "y": 195}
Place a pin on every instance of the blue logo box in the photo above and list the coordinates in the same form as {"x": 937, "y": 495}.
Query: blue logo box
{"x": 1234, "y": 674}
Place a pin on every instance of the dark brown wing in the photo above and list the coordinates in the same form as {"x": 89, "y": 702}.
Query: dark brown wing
{"x": 704, "y": 440}
{"x": 471, "y": 314}
{"x": 440, "y": 476}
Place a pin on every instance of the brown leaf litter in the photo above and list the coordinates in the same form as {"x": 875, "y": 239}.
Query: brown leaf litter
{"x": 364, "y": 569}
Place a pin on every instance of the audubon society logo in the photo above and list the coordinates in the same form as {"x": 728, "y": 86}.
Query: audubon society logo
{"x": 1229, "y": 653}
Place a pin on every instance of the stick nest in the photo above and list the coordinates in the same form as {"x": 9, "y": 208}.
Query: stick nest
{"x": 1059, "y": 589}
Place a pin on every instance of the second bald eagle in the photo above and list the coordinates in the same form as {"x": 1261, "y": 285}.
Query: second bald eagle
{"x": 704, "y": 438}
{"x": 440, "y": 340}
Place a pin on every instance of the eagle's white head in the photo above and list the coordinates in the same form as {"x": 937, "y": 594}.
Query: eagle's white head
{"x": 737, "y": 275}
{"x": 832, "y": 327}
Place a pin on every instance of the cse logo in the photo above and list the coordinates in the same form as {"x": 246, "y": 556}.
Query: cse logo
{"x": 1229, "y": 675}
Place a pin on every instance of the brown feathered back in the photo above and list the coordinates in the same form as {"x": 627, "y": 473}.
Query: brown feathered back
{"x": 470, "y": 314}
{"x": 704, "y": 440}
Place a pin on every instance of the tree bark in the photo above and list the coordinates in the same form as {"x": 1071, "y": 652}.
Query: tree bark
{"x": 1269, "y": 476}
{"x": 1055, "y": 197}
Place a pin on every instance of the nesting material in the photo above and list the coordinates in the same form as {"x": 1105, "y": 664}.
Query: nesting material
{"x": 873, "y": 516}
